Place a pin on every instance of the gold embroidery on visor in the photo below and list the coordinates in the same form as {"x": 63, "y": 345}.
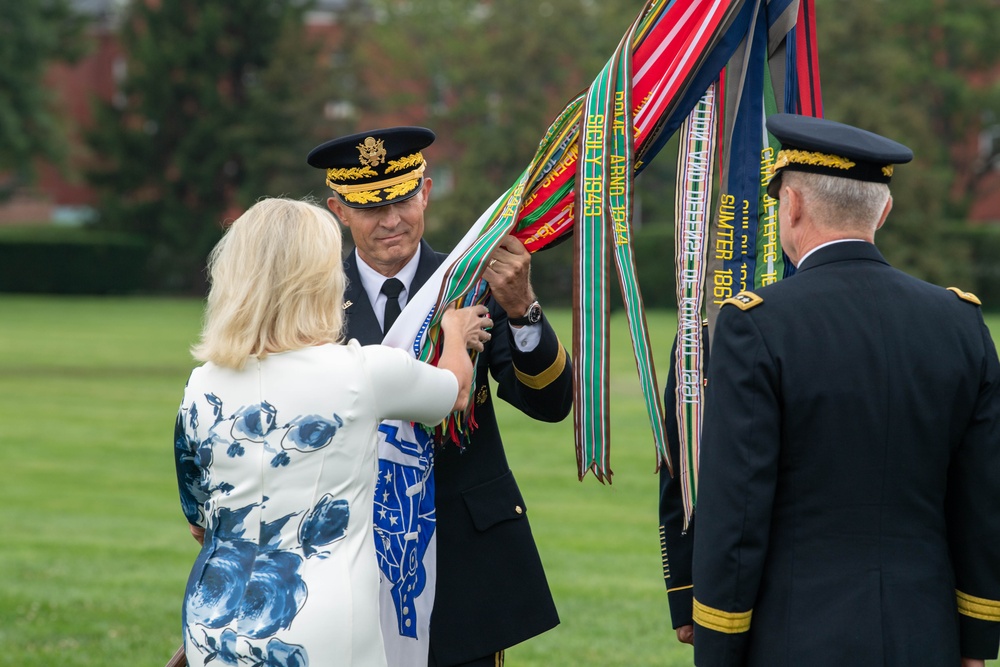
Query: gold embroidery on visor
{"x": 370, "y": 197}
{"x": 404, "y": 163}
{"x": 345, "y": 190}
{"x": 787, "y": 157}
{"x": 404, "y": 188}
{"x": 349, "y": 174}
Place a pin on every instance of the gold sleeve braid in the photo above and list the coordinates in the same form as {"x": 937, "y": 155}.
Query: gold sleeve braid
{"x": 546, "y": 377}
{"x": 728, "y": 622}
{"x": 981, "y": 608}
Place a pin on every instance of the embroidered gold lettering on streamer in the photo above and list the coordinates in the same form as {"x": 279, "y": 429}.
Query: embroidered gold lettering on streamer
{"x": 728, "y": 622}
{"x": 349, "y": 174}
{"x": 404, "y": 163}
{"x": 787, "y": 157}
{"x": 981, "y": 608}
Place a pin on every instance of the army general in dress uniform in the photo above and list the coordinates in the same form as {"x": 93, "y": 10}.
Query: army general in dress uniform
{"x": 849, "y": 501}
{"x": 491, "y": 590}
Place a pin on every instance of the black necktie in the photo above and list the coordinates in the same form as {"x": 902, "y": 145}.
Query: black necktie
{"x": 391, "y": 288}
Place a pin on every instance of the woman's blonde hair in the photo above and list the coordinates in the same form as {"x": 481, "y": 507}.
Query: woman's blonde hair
{"x": 277, "y": 284}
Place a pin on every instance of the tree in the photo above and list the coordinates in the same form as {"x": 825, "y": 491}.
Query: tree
{"x": 916, "y": 71}
{"x": 488, "y": 77}
{"x": 33, "y": 34}
{"x": 220, "y": 100}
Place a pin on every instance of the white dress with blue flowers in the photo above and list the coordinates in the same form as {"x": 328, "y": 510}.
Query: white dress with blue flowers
{"x": 278, "y": 462}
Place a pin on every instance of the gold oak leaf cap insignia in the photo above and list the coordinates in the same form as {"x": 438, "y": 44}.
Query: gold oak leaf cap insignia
{"x": 966, "y": 296}
{"x": 376, "y": 167}
{"x": 823, "y": 146}
{"x": 744, "y": 300}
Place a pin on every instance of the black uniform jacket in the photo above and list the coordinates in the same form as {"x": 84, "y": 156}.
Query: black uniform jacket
{"x": 491, "y": 589}
{"x": 849, "y": 500}
{"x": 676, "y": 541}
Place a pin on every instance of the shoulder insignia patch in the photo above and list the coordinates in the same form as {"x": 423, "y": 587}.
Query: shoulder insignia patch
{"x": 744, "y": 300}
{"x": 966, "y": 296}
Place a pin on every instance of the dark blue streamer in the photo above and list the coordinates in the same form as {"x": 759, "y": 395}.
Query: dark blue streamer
{"x": 743, "y": 179}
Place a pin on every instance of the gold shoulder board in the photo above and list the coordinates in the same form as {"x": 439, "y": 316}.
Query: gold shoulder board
{"x": 744, "y": 300}
{"x": 966, "y": 296}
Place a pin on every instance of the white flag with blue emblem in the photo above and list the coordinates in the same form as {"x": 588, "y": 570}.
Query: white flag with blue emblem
{"x": 405, "y": 539}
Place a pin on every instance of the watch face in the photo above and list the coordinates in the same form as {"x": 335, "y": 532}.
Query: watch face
{"x": 534, "y": 313}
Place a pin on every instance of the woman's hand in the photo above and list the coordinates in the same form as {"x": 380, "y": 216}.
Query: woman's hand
{"x": 471, "y": 325}
{"x": 464, "y": 329}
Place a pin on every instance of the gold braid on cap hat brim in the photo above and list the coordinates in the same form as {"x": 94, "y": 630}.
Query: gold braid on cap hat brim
{"x": 349, "y": 174}
{"x": 405, "y": 162}
{"x": 787, "y": 157}
{"x": 369, "y": 192}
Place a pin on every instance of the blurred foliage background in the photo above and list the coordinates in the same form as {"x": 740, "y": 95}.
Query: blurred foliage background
{"x": 218, "y": 104}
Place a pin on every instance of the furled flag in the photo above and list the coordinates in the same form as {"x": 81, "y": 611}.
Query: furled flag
{"x": 580, "y": 179}
{"x": 666, "y": 74}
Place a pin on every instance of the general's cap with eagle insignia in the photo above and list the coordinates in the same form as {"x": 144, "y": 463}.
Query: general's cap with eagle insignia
{"x": 376, "y": 167}
{"x": 822, "y": 146}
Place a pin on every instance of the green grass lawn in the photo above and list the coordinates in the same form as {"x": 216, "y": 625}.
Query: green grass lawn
{"x": 96, "y": 550}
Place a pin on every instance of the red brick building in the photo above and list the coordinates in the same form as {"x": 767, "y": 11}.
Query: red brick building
{"x": 61, "y": 195}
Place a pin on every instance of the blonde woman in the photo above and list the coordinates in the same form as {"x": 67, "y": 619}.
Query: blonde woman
{"x": 275, "y": 447}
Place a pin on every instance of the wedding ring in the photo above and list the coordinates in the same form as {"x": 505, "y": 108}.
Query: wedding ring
{"x": 492, "y": 262}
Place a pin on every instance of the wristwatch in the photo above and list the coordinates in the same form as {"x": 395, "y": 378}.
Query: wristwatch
{"x": 532, "y": 316}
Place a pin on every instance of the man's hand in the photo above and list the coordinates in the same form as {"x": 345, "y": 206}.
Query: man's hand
{"x": 509, "y": 274}
{"x": 973, "y": 662}
{"x": 685, "y": 635}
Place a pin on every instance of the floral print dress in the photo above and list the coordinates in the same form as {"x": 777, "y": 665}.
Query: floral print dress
{"x": 277, "y": 462}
